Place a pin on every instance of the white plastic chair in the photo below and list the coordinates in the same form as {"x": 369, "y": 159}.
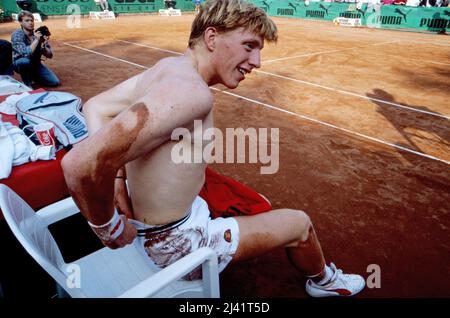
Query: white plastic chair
{"x": 124, "y": 272}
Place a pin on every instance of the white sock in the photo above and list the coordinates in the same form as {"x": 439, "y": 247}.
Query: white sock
{"x": 328, "y": 275}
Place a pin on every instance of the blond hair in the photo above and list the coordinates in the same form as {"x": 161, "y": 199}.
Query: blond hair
{"x": 227, "y": 15}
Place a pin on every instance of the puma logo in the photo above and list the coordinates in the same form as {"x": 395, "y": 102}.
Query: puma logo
{"x": 266, "y": 6}
{"x": 294, "y": 6}
{"x": 325, "y": 8}
{"x": 397, "y": 10}
{"x": 363, "y": 13}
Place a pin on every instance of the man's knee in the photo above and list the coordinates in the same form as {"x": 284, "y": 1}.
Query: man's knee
{"x": 49, "y": 79}
{"x": 22, "y": 64}
{"x": 24, "y": 61}
{"x": 303, "y": 224}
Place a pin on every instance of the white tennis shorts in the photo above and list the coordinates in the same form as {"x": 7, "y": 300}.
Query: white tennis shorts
{"x": 168, "y": 243}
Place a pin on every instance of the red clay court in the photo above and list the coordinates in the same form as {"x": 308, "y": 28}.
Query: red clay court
{"x": 364, "y": 119}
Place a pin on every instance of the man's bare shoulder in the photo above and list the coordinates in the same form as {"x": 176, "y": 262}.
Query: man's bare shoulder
{"x": 176, "y": 81}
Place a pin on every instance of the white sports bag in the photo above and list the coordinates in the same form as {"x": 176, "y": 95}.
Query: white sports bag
{"x": 60, "y": 108}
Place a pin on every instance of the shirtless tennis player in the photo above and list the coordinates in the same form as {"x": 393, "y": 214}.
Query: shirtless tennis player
{"x": 130, "y": 126}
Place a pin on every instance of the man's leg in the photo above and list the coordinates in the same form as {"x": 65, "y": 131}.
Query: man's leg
{"x": 24, "y": 67}
{"x": 45, "y": 76}
{"x": 293, "y": 229}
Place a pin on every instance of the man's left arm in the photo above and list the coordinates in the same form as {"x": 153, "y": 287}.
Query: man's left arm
{"x": 46, "y": 48}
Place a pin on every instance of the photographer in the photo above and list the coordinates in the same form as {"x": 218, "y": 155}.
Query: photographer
{"x": 28, "y": 47}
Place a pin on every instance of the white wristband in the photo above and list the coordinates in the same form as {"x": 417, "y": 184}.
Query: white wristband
{"x": 110, "y": 230}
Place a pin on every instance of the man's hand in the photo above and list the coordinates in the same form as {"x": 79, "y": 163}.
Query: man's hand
{"x": 122, "y": 201}
{"x": 127, "y": 237}
{"x": 45, "y": 39}
{"x": 38, "y": 35}
{"x": 117, "y": 232}
{"x": 46, "y": 46}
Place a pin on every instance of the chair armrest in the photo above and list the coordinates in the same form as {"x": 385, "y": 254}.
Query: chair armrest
{"x": 175, "y": 271}
{"x": 58, "y": 211}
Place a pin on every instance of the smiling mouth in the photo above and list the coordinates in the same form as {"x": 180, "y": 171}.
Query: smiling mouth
{"x": 243, "y": 71}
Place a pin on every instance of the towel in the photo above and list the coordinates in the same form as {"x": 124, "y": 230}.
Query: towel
{"x": 227, "y": 197}
{"x": 6, "y": 152}
{"x": 8, "y": 108}
{"x": 17, "y": 149}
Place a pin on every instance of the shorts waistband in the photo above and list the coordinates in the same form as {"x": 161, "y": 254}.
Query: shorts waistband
{"x": 165, "y": 227}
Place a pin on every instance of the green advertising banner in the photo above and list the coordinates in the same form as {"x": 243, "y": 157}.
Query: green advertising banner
{"x": 135, "y": 6}
{"x": 53, "y": 7}
{"x": 9, "y": 6}
{"x": 139, "y": 6}
{"x": 63, "y": 7}
{"x": 374, "y": 16}
{"x": 185, "y": 5}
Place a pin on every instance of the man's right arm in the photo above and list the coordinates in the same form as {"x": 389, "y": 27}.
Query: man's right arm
{"x": 91, "y": 166}
{"x": 99, "y": 111}
{"x": 104, "y": 107}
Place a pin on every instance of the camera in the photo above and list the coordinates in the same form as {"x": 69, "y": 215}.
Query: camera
{"x": 44, "y": 30}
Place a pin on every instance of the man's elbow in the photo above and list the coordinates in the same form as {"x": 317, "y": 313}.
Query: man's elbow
{"x": 95, "y": 119}
{"x": 88, "y": 108}
{"x": 71, "y": 167}
{"x": 68, "y": 165}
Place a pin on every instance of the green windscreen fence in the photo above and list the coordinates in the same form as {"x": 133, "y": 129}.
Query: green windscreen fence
{"x": 374, "y": 16}
{"x": 63, "y": 7}
{"x": 138, "y": 6}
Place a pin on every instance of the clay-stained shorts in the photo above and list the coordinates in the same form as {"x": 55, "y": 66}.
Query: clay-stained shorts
{"x": 167, "y": 244}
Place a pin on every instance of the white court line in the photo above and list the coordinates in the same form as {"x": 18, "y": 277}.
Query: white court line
{"x": 155, "y": 48}
{"x": 324, "y": 52}
{"x": 361, "y": 56}
{"x": 290, "y": 113}
{"x": 269, "y": 61}
{"x": 105, "y": 55}
{"x": 339, "y": 128}
{"x": 323, "y": 87}
{"x": 353, "y": 94}
{"x": 82, "y": 41}
{"x": 134, "y": 43}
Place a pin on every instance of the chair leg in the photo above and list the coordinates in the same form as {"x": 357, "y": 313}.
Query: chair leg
{"x": 61, "y": 292}
{"x": 211, "y": 279}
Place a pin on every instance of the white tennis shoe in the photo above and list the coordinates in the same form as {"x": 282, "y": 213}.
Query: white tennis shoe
{"x": 339, "y": 285}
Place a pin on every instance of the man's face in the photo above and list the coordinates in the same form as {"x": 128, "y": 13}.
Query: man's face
{"x": 238, "y": 52}
{"x": 27, "y": 23}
